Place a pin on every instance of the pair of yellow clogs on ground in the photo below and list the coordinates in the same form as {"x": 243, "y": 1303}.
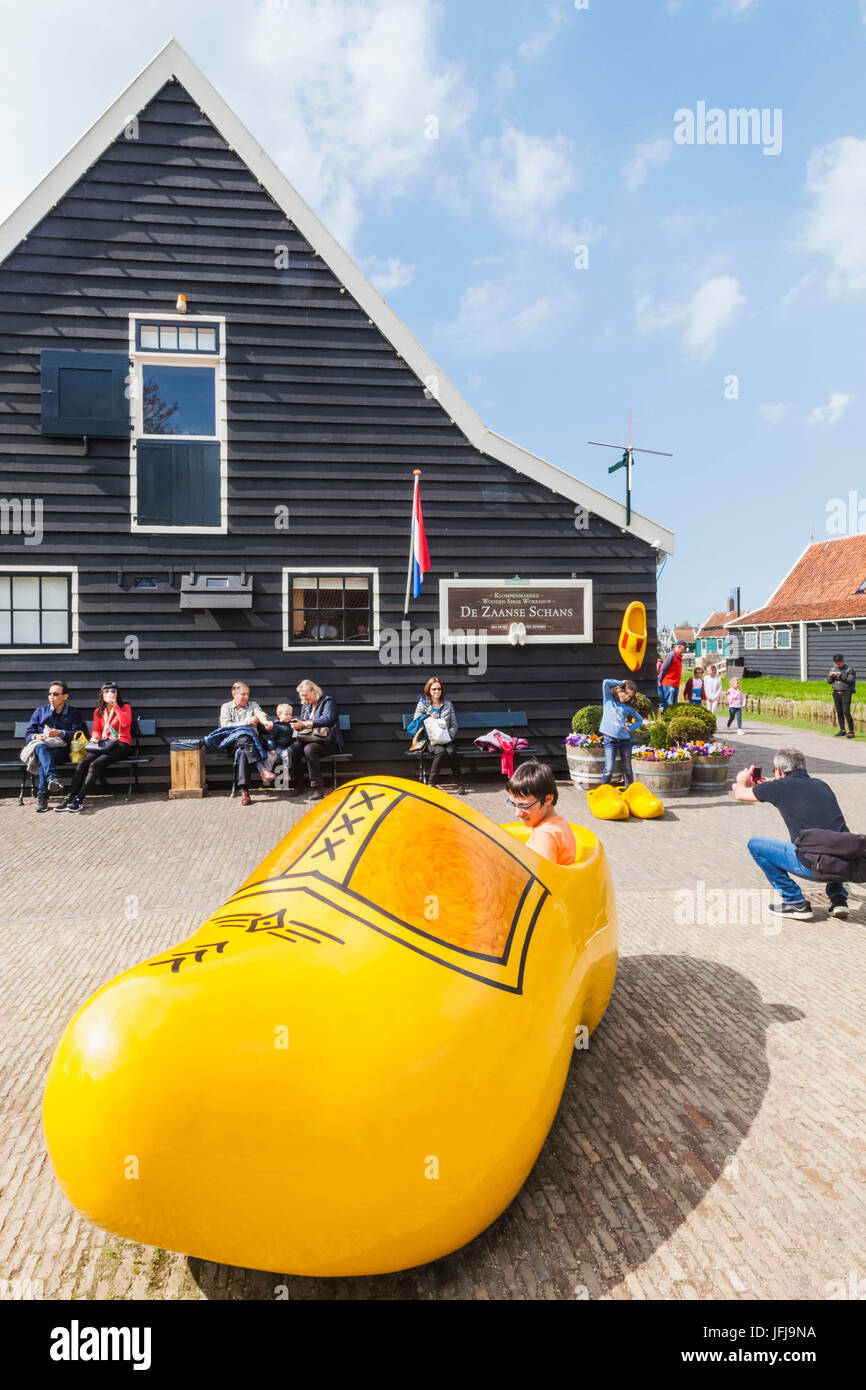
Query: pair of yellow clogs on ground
{"x": 613, "y": 803}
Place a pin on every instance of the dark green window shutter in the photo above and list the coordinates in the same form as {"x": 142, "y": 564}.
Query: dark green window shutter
{"x": 85, "y": 393}
{"x": 178, "y": 483}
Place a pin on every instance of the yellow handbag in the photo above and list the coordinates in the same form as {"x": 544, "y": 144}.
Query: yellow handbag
{"x": 77, "y": 747}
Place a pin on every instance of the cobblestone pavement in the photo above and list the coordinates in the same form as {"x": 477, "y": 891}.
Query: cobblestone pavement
{"x": 710, "y": 1140}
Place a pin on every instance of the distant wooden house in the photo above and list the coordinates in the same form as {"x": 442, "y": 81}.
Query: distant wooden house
{"x": 209, "y": 422}
{"x": 686, "y": 635}
{"x": 712, "y": 639}
{"x": 818, "y": 609}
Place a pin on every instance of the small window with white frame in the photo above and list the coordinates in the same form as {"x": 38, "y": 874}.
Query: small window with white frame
{"x": 38, "y": 609}
{"x": 766, "y": 640}
{"x": 750, "y": 641}
{"x": 783, "y": 639}
{"x": 330, "y": 608}
{"x": 178, "y": 463}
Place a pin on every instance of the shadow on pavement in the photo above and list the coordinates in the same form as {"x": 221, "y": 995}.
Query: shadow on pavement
{"x": 652, "y": 1115}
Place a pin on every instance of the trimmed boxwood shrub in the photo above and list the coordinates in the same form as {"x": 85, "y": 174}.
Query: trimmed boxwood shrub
{"x": 659, "y": 736}
{"x": 701, "y": 716}
{"x": 686, "y": 729}
{"x": 643, "y": 704}
{"x": 587, "y": 720}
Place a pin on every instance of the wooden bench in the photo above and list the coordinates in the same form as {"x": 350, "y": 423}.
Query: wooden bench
{"x": 141, "y": 728}
{"x": 332, "y": 759}
{"x": 507, "y": 720}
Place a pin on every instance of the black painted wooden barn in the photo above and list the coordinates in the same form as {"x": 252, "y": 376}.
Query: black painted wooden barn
{"x": 188, "y": 498}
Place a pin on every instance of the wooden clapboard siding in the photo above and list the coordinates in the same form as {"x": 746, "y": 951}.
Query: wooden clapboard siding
{"x": 323, "y": 418}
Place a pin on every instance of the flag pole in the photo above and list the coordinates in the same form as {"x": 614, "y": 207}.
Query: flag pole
{"x": 417, "y": 472}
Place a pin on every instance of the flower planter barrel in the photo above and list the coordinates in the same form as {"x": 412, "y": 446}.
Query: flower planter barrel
{"x": 586, "y": 766}
{"x": 710, "y": 774}
{"x": 665, "y": 778}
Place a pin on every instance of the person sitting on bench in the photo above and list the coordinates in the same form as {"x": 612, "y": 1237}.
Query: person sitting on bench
{"x": 433, "y": 703}
{"x": 58, "y": 719}
{"x": 112, "y": 731}
{"x": 317, "y": 736}
{"x": 281, "y": 737}
{"x": 240, "y": 709}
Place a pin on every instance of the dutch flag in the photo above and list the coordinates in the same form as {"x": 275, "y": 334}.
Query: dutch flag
{"x": 419, "y": 555}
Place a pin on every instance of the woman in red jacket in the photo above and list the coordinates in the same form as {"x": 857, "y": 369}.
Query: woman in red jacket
{"x": 112, "y": 730}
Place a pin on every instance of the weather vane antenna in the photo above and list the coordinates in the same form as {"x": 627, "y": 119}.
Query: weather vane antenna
{"x": 626, "y": 462}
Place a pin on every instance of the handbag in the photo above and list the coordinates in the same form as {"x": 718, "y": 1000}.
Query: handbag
{"x": 437, "y": 730}
{"x": 99, "y": 745}
{"x": 77, "y": 747}
{"x": 315, "y": 735}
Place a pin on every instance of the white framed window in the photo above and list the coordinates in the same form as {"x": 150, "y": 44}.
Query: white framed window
{"x": 751, "y": 641}
{"x": 783, "y": 639}
{"x": 38, "y": 609}
{"x": 330, "y": 608}
{"x": 766, "y": 639}
{"x": 178, "y": 470}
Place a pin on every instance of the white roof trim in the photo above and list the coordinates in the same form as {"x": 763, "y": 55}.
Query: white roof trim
{"x": 173, "y": 61}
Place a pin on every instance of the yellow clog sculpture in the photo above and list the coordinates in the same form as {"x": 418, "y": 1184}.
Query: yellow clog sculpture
{"x": 632, "y": 637}
{"x": 607, "y": 802}
{"x": 352, "y": 1066}
{"x": 642, "y": 802}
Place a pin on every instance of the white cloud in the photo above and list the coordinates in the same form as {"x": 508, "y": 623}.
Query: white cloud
{"x": 645, "y": 157}
{"x": 504, "y": 79}
{"x": 538, "y": 43}
{"x": 737, "y": 9}
{"x": 801, "y": 284}
{"x": 832, "y": 412}
{"x": 774, "y": 414}
{"x": 492, "y": 318}
{"x": 836, "y": 177}
{"x": 674, "y": 6}
{"x": 525, "y": 177}
{"x": 389, "y": 275}
{"x": 712, "y": 309}
{"x": 353, "y": 123}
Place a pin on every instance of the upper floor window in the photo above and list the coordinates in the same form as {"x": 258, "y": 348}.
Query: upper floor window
{"x": 179, "y": 451}
{"x": 331, "y": 608}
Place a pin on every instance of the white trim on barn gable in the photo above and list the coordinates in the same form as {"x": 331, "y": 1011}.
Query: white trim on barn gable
{"x": 173, "y": 61}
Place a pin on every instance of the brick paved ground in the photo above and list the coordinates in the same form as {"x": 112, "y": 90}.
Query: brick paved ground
{"x": 709, "y": 1143}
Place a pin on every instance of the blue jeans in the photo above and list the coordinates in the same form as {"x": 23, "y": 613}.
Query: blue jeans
{"x": 669, "y": 695}
{"x": 739, "y": 713}
{"x": 778, "y": 859}
{"x": 48, "y": 759}
{"x": 610, "y": 749}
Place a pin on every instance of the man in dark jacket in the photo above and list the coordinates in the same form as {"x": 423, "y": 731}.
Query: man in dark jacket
{"x": 56, "y": 719}
{"x": 804, "y": 803}
{"x": 843, "y": 679}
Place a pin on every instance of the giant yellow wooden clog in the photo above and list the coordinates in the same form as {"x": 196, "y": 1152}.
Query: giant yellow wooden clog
{"x": 352, "y": 1066}
{"x": 642, "y": 802}
{"x": 632, "y": 637}
{"x": 607, "y": 802}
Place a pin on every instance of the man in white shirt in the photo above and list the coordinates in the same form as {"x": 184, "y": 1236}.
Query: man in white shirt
{"x": 241, "y": 710}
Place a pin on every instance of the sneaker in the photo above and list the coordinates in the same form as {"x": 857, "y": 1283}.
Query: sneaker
{"x": 64, "y": 804}
{"x": 54, "y": 785}
{"x": 461, "y": 791}
{"x": 42, "y": 801}
{"x": 316, "y": 794}
{"x": 741, "y": 732}
{"x": 801, "y": 910}
{"x": 841, "y": 734}
{"x": 74, "y": 805}
{"x": 838, "y": 907}
{"x": 849, "y": 735}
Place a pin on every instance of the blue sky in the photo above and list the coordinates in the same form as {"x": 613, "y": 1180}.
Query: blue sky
{"x": 555, "y": 129}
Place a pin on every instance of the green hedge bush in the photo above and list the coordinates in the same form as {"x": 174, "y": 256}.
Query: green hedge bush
{"x": 643, "y": 704}
{"x": 587, "y": 720}
{"x": 659, "y": 736}
{"x": 686, "y": 729}
{"x": 700, "y": 715}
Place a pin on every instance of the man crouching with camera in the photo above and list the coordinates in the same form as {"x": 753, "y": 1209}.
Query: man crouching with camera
{"x": 821, "y": 847}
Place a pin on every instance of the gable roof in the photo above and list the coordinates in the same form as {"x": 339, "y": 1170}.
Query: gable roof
{"x": 684, "y": 634}
{"x": 173, "y": 62}
{"x": 714, "y": 624}
{"x": 821, "y": 587}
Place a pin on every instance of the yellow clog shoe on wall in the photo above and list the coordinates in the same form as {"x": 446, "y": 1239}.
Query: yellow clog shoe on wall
{"x": 352, "y": 1066}
{"x": 642, "y": 802}
{"x": 632, "y": 637}
{"x": 606, "y": 802}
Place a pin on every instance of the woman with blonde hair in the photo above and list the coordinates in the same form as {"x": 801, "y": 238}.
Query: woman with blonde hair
{"x": 317, "y": 736}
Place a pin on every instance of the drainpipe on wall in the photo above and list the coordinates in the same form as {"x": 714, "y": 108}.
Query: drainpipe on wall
{"x": 804, "y": 653}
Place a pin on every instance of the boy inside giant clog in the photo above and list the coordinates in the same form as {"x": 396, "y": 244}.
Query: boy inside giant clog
{"x": 352, "y": 1066}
